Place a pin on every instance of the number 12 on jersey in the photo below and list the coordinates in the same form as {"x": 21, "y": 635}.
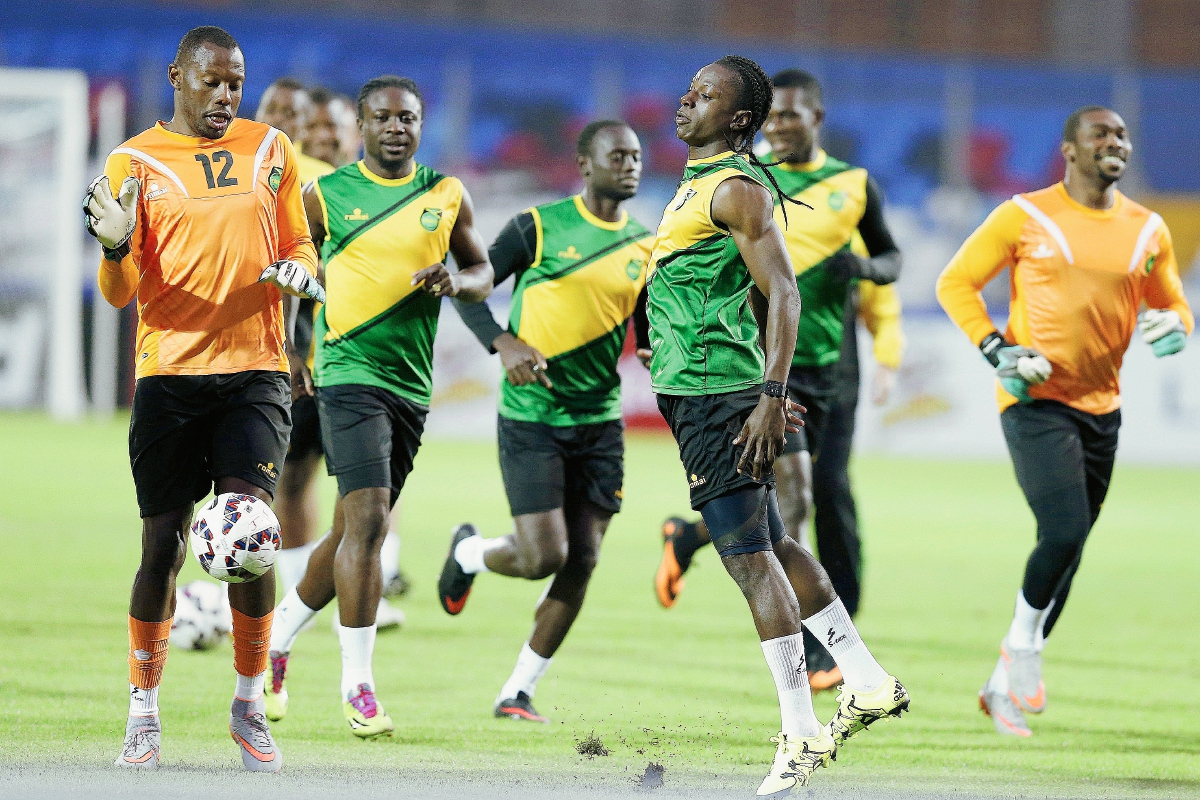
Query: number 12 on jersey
{"x": 222, "y": 180}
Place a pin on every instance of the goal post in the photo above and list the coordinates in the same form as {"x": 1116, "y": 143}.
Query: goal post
{"x": 44, "y": 131}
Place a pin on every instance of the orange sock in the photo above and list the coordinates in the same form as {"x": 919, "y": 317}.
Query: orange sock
{"x": 251, "y": 639}
{"x": 147, "y": 652}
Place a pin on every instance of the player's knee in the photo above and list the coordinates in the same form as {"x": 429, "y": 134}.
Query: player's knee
{"x": 367, "y": 520}
{"x": 582, "y": 562}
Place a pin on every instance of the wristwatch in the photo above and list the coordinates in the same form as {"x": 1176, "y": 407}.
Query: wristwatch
{"x": 774, "y": 389}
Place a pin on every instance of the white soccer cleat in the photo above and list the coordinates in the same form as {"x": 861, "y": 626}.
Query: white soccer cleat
{"x": 143, "y": 740}
{"x": 1025, "y": 685}
{"x": 795, "y": 762}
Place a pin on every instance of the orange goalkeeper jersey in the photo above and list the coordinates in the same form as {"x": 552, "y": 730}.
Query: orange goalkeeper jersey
{"x": 1078, "y": 278}
{"x": 211, "y": 215}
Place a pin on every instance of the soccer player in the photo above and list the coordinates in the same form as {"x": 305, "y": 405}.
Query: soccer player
{"x": 721, "y": 290}
{"x": 579, "y": 266}
{"x": 206, "y": 228}
{"x": 842, "y": 240}
{"x": 1082, "y": 258}
{"x": 382, "y": 222}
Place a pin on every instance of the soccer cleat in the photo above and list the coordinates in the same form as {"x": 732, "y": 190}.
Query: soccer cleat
{"x": 248, "y": 727}
{"x": 143, "y": 740}
{"x": 668, "y": 581}
{"x": 519, "y": 707}
{"x": 824, "y": 679}
{"x": 454, "y": 585}
{"x": 366, "y": 716}
{"x": 275, "y": 695}
{"x": 1005, "y": 713}
{"x": 1025, "y": 685}
{"x": 795, "y": 762}
{"x": 397, "y": 586}
{"x": 857, "y": 711}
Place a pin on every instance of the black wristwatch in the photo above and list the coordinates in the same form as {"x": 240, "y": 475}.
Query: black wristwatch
{"x": 774, "y": 389}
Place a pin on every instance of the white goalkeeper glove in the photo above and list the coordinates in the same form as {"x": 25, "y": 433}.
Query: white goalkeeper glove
{"x": 1017, "y": 367}
{"x": 293, "y": 278}
{"x": 111, "y": 219}
{"x": 1163, "y": 330}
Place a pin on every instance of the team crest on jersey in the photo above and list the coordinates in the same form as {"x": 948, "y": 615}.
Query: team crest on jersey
{"x": 274, "y": 178}
{"x": 688, "y": 195}
{"x": 633, "y": 269}
{"x": 837, "y": 199}
{"x": 431, "y": 218}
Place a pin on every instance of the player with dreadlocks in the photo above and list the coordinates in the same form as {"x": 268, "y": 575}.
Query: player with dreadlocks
{"x": 721, "y": 291}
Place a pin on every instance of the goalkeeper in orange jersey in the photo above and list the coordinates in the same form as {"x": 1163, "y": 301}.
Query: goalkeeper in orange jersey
{"x": 1082, "y": 259}
{"x": 201, "y": 219}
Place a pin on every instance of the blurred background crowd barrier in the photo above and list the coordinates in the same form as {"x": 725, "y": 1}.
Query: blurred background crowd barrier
{"x": 952, "y": 105}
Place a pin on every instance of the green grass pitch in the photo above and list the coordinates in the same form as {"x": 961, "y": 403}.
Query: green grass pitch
{"x": 687, "y": 688}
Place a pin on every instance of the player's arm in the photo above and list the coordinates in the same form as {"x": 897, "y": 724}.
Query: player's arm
{"x": 641, "y": 329}
{"x": 880, "y": 312}
{"x": 746, "y": 210}
{"x": 113, "y": 200}
{"x": 472, "y": 283}
{"x": 1168, "y": 319}
{"x": 295, "y": 272}
{"x": 982, "y": 256}
{"x": 882, "y": 264}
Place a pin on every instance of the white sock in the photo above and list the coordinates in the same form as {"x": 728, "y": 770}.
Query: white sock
{"x": 143, "y": 702}
{"x": 525, "y": 675}
{"x": 249, "y": 689}
{"x": 833, "y": 628}
{"x": 290, "y": 616}
{"x": 785, "y": 657}
{"x": 389, "y": 556}
{"x": 290, "y": 564}
{"x": 999, "y": 680}
{"x": 1025, "y": 633}
{"x": 358, "y": 646}
{"x": 469, "y": 553}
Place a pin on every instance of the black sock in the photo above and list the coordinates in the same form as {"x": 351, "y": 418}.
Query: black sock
{"x": 687, "y": 542}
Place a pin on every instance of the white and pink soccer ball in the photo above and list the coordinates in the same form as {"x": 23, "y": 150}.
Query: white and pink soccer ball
{"x": 235, "y": 537}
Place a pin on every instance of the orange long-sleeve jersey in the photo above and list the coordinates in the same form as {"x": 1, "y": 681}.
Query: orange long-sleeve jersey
{"x": 211, "y": 215}
{"x": 879, "y": 309}
{"x": 1078, "y": 278}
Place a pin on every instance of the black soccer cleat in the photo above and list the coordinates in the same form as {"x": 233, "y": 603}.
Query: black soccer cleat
{"x": 519, "y": 707}
{"x": 454, "y": 585}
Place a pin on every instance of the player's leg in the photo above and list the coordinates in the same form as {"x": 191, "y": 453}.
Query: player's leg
{"x": 249, "y": 443}
{"x": 297, "y": 501}
{"x": 387, "y": 617}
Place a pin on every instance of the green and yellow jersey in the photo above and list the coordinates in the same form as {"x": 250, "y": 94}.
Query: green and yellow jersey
{"x": 309, "y": 169}
{"x": 843, "y": 200}
{"x": 702, "y": 331}
{"x": 578, "y": 278}
{"x": 376, "y": 328}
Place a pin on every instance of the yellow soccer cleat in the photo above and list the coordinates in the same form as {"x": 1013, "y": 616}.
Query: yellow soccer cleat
{"x": 366, "y": 716}
{"x": 858, "y": 711}
{"x": 275, "y": 695}
{"x": 795, "y": 762}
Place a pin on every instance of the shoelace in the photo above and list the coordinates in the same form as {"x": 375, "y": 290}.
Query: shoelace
{"x": 259, "y": 731}
{"x": 136, "y": 739}
{"x": 364, "y": 702}
{"x": 278, "y": 670}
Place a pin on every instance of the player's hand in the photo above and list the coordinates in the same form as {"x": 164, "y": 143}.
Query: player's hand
{"x": 762, "y": 436}
{"x": 111, "y": 219}
{"x": 291, "y": 277}
{"x": 522, "y": 364}
{"x": 302, "y": 383}
{"x": 1163, "y": 330}
{"x": 882, "y": 384}
{"x": 1017, "y": 367}
{"x": 844, "y": 266}
{"x": 794, "y": 421}
{"x": 643, "y": 354}
{"x": 439, "y": 281}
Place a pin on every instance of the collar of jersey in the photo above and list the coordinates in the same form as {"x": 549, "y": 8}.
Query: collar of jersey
{"x": 1098, "y": 213}
{"x": 693, "y": 162}
{"x": 592, "y": 219}
{"x": 371, "y": 176}
{"x": 809, "y": 166}
{"x": 161, "y": 127}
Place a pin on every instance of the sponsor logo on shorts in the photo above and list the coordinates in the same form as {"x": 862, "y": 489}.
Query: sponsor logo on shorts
{"x": 358, "y": 215}
{"x": 619, "y": 493}
{"x": 832, "y": 637}
{"x": 431, "y": 218}
{"x": 697, "y": 481}
{"x": 268, "y": 469}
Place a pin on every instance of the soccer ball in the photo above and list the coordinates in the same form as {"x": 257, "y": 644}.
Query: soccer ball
{"x": 201, "y": 619}
{"x": 235, "y": 537}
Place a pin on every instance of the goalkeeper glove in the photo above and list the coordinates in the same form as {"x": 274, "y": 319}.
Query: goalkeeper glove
{"x": 1017, "y": 367}
{"x": 293, "y": 278}
{"x": 111, "y": 219}
{"x": 1163, "y": 330}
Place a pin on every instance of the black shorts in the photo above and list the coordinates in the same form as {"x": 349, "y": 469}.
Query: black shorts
{"x": 704, "y": 427}
{"x": 544, "y": 465}
{"x": 370, "y": 436}
{"x": 187, "y": 431}
{"x": 306, "y": 430}
{"x": 815, "y": 389}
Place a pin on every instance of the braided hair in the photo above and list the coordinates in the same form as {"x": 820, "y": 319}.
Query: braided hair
{"x": 756, "y": 95}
